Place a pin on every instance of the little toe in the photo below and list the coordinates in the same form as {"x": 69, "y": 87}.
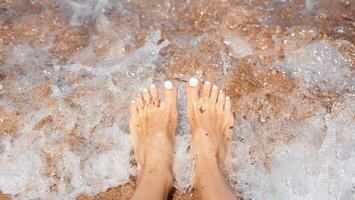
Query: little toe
{"x": 133, "y": 109}
{"x": 230, "y": 118}
{"x": 230, "y": 127}
{"x": 133, "y": 118}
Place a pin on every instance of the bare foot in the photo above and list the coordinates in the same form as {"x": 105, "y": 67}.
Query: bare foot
{"x": 153, "y": 126}
{"x": 211, "y": 121}
{"x": 211, "y": 124}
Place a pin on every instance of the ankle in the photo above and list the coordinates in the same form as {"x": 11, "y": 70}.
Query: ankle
{"x": 158, "y": 162}
{"x": 207, "y": 171}
{"x": 157, "y": 175}
{"x": 161, "y": 167}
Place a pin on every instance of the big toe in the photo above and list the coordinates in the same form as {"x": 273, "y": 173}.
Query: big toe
{"x": 170, "y": 94}
{"x": 192, "y": 89}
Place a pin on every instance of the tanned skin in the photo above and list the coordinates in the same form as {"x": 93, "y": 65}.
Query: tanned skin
{"x": 153, "y": 128}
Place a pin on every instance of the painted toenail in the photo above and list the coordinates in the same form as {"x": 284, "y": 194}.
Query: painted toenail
{"x": 207, "y": 82}
{"x": 193, "y": 82}
{"x": 145, "y": 90}
{"x": 215, "y": 87}
{"x": 168, "y": 85}
{"x": 152, "y": 86}
{"x": 228, "y": 98}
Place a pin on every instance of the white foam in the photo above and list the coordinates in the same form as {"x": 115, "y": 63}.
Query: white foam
{"x": 239, "y": 46}
{"x": 316, "y": 164}
{"x": 322, "y": 65}
{"x": 103, "y": 159}
{"x": 309, "y": 6}
{"x": 183, "y": 162}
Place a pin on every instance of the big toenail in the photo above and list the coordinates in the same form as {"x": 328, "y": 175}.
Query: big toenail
{"x": 145, "y": 90}
{"x": 133, "y": 101}
{"x": 152, "y": 86}
{"x": 215, "y": 87}
{"x": 193, "y": 82}
{"x": 207, "y": 82}
{"x": 228, "y": 98}
{"x": 168, "y": 85}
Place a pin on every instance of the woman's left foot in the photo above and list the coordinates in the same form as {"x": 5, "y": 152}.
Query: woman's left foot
{"x": 153, "y": 126}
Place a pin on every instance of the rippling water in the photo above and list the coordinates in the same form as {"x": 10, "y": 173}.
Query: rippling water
{"x": 69, "y": 68}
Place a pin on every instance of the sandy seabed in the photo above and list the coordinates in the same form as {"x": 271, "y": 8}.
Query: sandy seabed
{"x": 69, "y": 69}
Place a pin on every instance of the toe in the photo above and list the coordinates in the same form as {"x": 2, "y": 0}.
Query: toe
{"x": 230, "y": 117}
{"x": 170, "y": 94}
{"x": 228, "y": 105}
{"x": 133, "y": 122}
{"x": 214, "y": 95}
{"x": 230, "y": 128}
{"x": 206, "y": 90}
{"x": 134, "y": 109}
{"x": 133, "y": 118}
{"x": 154, "y": 95}
{"x": 139, "y": 103}
{"x": 221, "y": 100}
{"x": 192, "y": 89}
{"x": 146, "y": 97}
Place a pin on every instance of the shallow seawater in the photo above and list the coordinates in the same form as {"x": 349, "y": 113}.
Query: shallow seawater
{"x": 69, "y": 69}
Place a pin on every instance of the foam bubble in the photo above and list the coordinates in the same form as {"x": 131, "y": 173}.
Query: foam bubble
{"x": 322, "y": 65}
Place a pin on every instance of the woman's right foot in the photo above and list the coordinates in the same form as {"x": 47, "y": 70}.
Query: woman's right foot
{"x": 211, "y": 123}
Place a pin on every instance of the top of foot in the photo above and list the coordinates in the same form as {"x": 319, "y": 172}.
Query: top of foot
{"x": 211, "y": 120}
{"x": 152, "y": 126}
